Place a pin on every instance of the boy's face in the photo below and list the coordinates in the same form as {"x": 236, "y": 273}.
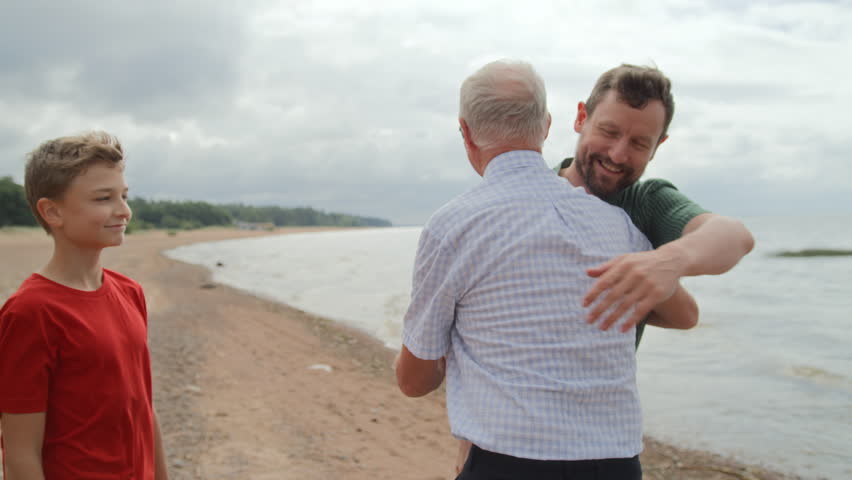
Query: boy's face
{"x": 93, "y": 212}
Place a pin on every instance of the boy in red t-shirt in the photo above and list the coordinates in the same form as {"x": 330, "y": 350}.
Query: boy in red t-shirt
{"x": 75, "y": 372}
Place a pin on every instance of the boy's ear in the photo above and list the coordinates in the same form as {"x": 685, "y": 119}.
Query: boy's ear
{"x": 50, "y": 212}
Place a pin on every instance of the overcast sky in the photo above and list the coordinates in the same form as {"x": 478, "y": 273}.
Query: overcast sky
{"x": 352, "y": 106}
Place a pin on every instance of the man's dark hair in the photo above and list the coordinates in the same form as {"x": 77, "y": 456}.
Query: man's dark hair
{"x": 635, "y": 86}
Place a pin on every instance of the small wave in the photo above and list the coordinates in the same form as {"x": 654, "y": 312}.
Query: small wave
{"x": 814, "y": 252}
{"x": 396, "y": 305}
{"x": 816, "y": 374}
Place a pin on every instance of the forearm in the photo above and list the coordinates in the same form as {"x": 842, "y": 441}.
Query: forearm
{"x": 428, "y": 382}
{"x": 161, "y": 472}
{"x": 711, "y": 245}
{"x": 679, "y": 311}
{"x": 417, "y": 377}
{"x": 462, "y": 454}
{"x": 24, "y": 466}
{"x": 23, "y": 440}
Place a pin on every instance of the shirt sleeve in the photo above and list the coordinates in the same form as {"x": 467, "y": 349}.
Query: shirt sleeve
{"x": 143, "y": 304}
{"x": 659, "y": 210}
{"x": 431, "y": 313}
{"x": 26, "y": 362}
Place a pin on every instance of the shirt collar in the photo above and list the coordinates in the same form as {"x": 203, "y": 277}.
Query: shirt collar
{"x": 513, "y": 160}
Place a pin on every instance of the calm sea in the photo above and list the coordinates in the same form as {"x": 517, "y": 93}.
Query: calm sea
{"x": 765, "y": 377}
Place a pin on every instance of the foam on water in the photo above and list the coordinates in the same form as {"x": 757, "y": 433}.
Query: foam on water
{"x": 359, "y": 277}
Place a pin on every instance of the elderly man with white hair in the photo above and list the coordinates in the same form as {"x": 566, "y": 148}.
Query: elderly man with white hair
{"x": 496, "y": 303}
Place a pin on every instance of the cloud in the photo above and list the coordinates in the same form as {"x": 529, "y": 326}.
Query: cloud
{"x": 154, "y": 60}
{"x": 352, "y": 106}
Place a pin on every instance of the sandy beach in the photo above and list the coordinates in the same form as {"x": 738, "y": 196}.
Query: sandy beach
{"x": 251, "y": 389}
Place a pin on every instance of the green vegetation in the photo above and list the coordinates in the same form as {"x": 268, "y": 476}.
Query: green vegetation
{"x": 13, "y": 205}
{"x": 188, "y": 215}
{"x": 174, "y": 215}
{"x": 299, "y": 216}
{"x": 815, "y": 252}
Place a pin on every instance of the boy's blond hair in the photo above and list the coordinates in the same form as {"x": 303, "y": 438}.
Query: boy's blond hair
{"x": 55, "y": 163}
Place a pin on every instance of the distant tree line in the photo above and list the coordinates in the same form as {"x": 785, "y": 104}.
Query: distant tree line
{"x": 174, "y": 215}
{"x": 14, "y": 209}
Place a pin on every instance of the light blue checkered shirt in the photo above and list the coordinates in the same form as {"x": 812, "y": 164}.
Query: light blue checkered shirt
{"x": 498, "y": 283}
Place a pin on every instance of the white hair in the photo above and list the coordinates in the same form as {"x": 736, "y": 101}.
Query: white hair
{"x": 505, "y": 103}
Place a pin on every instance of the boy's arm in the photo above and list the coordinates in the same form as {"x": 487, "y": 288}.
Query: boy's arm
{"x": 711, "y": 244}
{"x": 161, "y": 472}
{"x": 23, "y": 437}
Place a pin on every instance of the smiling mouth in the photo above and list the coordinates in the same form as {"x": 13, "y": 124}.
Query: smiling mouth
{"x": 609, "y": 166}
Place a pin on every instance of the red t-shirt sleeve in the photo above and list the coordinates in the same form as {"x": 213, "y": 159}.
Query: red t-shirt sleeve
{"x": 143, "y": 306}
{"x": 26, "y": 361}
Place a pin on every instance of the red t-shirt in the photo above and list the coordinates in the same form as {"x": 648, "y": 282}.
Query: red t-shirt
{"x": 81, "y": 357}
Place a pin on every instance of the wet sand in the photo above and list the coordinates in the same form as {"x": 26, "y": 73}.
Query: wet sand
{"x": 242, "y": 389}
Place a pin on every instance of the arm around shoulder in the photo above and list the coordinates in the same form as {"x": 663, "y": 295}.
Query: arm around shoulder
{"x": 712, "y": 244}
{"x": 680, "y": 311}
{"x": 697, "y": 241}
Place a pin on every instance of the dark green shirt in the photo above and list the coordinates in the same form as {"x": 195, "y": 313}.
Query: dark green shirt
{"x": 657, "y": 209}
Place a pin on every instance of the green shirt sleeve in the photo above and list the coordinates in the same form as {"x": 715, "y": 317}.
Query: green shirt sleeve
{"x": 655, "y": 206}
{"x": 563, "y": 164}
{"x": 657, "y": 209}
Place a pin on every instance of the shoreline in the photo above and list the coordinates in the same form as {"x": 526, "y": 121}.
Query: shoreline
{"x": 242, "y": 391}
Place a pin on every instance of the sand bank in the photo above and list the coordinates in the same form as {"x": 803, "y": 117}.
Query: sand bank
{"x": 243, "y": 390}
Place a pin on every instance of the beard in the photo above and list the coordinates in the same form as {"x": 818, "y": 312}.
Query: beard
{"x": 599, "y": 185}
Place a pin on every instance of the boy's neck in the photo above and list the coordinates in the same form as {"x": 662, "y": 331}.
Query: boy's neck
{"x": 74, "y": 267}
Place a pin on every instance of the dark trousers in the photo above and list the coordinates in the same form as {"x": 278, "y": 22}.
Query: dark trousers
{"x": 484, "y": 465}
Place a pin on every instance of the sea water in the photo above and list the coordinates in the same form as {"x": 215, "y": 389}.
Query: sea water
{"x": 766, "y": 376}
